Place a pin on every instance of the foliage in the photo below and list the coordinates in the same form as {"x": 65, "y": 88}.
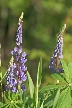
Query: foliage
{"x": 51, "y": 96}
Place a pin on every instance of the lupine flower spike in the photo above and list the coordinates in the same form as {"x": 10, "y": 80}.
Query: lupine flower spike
{"x": 55, "y": 63}
{"x": 17, "y": 72}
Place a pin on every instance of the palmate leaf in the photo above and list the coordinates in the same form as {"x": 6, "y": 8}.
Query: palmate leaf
{"x": 59, "y": 77}
{"x": 56, "y": 98}
{"x": 31, "y": 85}
{"x": 50, "y": 87}
{"x": 66, "y": 71}
{"x": 64, "y": 100}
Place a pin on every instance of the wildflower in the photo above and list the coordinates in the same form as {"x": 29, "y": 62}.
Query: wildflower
{"x": 17, "y": 75}
{"x": 55, "y": 63}
{"x": 10, "y": 80}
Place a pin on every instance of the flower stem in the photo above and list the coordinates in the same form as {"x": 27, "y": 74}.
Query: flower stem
{"x": 1, "y": 76}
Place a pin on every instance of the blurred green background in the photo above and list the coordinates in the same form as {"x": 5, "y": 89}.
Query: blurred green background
{"x": 43, "y": 19}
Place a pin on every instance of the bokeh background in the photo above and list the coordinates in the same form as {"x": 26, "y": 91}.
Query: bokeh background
{"x": 43, "y": 19}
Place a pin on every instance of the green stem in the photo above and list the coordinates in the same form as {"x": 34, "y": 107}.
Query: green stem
{"x": 1, "y": 76}
{"x": 37, "y": 93}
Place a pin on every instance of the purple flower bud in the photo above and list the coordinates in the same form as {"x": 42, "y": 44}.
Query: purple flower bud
{"x": 58, "y": 49}
{"x": 23, "y": 87}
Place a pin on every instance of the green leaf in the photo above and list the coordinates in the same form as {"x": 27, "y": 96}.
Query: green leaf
{"x": 49, "y": 87}
{"x": 56, "y": 98}
{"x": 25, "y": 98}
{"x": 65, "y": 67}
{"x": 6, "y": 105}
{"x": 48, "y": 102}
{"x": 9, "y": 93}
{"x": 64, "y": 99}
{"x": 70, "y": 70}
{"x": 6, "y": 99}
{"x": 39, "y": 73}
{"x": 1, "y": 104}
{"x": 58, "y": 77}
{"x": 17, "y": 95}
{"x": 34, "y": 98}
{"x": 15, "y": 106}
{"x": 39, "y": 77}
{"x": 42, "y": 105}
{"x": 31, "y": 85}
{"x": 11, "y": 105}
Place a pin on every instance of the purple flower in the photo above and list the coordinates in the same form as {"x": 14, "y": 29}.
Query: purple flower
{"x": 12, "y": 52}
{"x": 14, "y": 89}
{"x": 24, "y": 77}
{"x": 15, "y": 49}
{"x": 55, "y": 63}
{"x": 23, "y": 60}
{"x": 24, "y": 68}
{"x": 13, "y": 81}
{"x": 14, "y": 66}
{"x": 17, "y": 75}
{"x": 23, "y": 54}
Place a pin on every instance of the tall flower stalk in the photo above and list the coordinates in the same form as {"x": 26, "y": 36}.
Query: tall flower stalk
{"x": 17, "y": 75}
{"x": 55, "y": 63}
